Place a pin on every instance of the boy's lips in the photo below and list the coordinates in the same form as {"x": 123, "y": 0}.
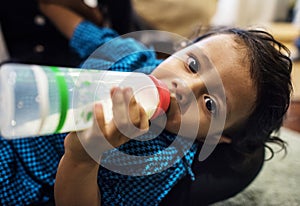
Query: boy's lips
{"x": 173, "y": 104}
{"x": 180, "y": 116}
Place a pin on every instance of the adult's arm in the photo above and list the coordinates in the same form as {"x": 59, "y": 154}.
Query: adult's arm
{"x": 64, "y": 19}
{"x": 84, "y": 36}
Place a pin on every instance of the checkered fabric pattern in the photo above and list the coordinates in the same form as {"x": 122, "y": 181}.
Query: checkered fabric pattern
{"x": 145, "y": 187}
{"x": 28, "y": 165}
{"x": 27, "y": 168}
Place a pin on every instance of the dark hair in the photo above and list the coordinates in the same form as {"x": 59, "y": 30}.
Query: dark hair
{"x": 270, "y": 68}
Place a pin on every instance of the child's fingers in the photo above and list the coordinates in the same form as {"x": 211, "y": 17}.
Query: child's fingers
{"x": 128, "y": 116}
{"x": 99, "y": 118}
{"x": 144, "y": 121}
{"x": 109, "y": 131}
{"x": 119, "y": 107}
{"x": 133, "y": 107}
{"x": 137, "y": 114}
{"x": 117, "y": 127}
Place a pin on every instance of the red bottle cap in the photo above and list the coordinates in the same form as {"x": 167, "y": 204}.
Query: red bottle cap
{"x": 164, "y": 96}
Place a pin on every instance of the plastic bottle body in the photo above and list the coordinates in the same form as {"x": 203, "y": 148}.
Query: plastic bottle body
{"x": 40, "y": 100}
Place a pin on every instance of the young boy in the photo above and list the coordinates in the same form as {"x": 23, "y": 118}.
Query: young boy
{"x": 255, "y": 74}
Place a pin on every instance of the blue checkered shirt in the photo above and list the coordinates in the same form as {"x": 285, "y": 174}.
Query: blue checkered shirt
{"x": 28, "y": 165}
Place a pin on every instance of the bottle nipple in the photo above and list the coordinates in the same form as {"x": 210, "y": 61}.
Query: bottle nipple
{"x": 164, "y": 97}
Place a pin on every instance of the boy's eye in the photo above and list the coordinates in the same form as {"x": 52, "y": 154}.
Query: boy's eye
{"x": 210, "y": 105}
{"x": 193, "y": 64}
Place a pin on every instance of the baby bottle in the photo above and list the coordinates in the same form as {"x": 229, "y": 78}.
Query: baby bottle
{"x": 39, "y": 100}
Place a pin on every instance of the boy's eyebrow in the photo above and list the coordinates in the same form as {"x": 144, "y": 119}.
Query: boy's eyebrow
{"x": 206, "y": 60}
{"x": 203, "y": 57}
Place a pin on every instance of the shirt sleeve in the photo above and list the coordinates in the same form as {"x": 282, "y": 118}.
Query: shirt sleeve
{"x": 87, "y": 37}
{"x": 102, "y": 49}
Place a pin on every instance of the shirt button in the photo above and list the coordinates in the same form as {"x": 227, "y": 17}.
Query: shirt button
{"x": 39, "y": 20}
{"x": 39, "y": 48}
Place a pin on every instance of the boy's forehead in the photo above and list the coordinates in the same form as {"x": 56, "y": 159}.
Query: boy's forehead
{"x": 216, "y": 42}
{"x": 221, "y": 50}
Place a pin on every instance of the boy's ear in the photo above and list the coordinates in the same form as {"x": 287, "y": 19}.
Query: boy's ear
{"x": 225, "y": 139}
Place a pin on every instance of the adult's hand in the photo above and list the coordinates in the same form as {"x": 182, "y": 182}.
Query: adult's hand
{"x": 92, "y": 14}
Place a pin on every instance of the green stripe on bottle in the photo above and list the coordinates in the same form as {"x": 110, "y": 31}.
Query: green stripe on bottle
{"x": 64, "y": 97}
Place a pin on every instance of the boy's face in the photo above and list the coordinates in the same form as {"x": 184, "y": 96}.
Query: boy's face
{"x": 211, "y": 85}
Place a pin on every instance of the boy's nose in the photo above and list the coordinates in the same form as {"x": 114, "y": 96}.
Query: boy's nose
{"x": 185, "y": 90}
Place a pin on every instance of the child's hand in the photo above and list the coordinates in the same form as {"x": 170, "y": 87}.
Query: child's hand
{"x": 129, "y": 121}
{"x": 129, "y": 118}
